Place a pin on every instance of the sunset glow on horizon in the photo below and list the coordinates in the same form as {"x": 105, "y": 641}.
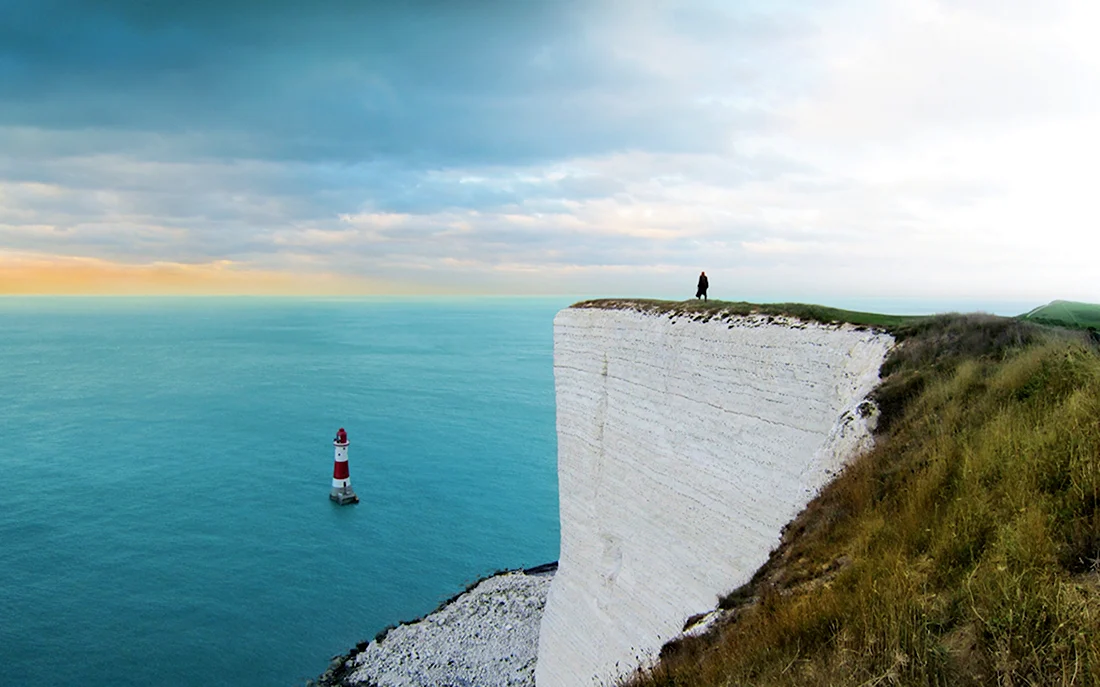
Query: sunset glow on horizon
{"x": 90, "y": 276}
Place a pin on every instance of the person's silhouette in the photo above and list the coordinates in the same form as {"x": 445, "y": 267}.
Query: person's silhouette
{"x": 704, "y": 284}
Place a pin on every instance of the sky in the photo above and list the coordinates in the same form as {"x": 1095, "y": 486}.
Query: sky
{"x": 813, "y": 150}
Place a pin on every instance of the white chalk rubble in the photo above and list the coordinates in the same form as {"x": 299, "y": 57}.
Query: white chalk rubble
{"x": 487, "y": 637}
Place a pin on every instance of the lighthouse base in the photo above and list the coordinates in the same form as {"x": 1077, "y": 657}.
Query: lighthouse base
{"x": 343, "y": 496}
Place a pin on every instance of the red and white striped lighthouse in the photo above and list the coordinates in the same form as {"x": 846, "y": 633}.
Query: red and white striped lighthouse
{"x": 341, "y": 480}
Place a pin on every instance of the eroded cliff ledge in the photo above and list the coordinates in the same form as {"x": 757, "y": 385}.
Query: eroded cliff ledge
{"x": 685, "y": 444}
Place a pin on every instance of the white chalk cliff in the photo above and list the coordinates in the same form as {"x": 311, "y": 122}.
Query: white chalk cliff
{"x": 684, "y": 447}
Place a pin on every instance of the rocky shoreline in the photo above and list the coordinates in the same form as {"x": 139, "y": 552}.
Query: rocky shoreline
{"x": 487, "y": 636}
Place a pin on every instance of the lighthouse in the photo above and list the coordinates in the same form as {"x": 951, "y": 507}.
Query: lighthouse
{"x": 341, "y": 482}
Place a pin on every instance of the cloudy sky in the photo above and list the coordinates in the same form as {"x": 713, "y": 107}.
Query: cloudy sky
{"x": 817, "y": 150}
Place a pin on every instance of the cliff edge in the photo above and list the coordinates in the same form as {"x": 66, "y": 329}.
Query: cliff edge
{"x": 685, "y": 443}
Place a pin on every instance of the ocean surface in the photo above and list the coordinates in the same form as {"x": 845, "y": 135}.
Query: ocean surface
{"x": 165, "y": 467}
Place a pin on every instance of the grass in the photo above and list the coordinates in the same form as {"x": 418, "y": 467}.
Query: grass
{"x": 1066, "y": 314}
{"x": 964, "y": 549}
{"x": 725, "y": 309}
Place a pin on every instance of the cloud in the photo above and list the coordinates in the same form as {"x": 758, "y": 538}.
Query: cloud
{"x": 430, "y": 82}
{"x": 928, "y": 67}
{"x": 852, "y": 147}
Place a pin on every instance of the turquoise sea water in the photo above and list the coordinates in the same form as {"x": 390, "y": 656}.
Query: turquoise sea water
{"x": 165, "y": 467}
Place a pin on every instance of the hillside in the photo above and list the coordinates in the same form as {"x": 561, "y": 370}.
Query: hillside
{"x": 964, "y": 548}
{"x": 1066, "y": 314}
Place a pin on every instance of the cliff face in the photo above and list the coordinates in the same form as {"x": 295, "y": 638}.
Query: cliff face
{"x": 684, "y": 447}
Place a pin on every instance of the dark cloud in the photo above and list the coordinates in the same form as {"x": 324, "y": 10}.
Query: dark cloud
{"x": 432, "y": 83}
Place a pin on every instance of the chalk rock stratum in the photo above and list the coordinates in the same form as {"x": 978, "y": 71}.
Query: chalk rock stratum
{"x": 684, "y": 447}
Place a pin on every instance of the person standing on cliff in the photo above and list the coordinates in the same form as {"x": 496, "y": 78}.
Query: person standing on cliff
{"x": 704, "y": 284}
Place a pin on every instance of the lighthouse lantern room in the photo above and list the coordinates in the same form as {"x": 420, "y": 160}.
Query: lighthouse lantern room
{"x": 342, "y": 492}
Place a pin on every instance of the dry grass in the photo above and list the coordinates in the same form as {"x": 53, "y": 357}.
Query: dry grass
{"x": 964, "y": 549}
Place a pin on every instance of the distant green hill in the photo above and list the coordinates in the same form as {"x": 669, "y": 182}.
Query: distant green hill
{"x": 1066, "y": 314}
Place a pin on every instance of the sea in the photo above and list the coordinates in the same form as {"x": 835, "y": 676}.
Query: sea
{"x": 165, "y": 465}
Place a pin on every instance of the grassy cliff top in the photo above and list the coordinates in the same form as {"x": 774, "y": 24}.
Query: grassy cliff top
{"x": 963, "y": 549}
{"x": 799, "y": 311}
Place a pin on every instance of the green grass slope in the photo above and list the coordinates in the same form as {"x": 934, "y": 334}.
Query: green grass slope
{"x": 1066, "y": 314}
{"x": 964, "y": 549}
